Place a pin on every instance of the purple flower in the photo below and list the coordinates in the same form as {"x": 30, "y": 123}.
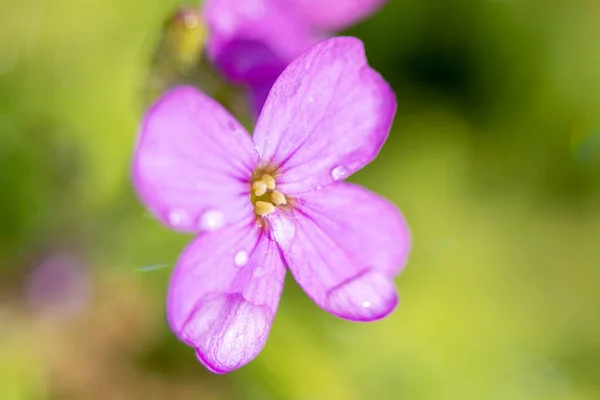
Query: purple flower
{"x": 273, "y": 200}
{"x": 59, "y": 286}
{"x": 252, "y": 42}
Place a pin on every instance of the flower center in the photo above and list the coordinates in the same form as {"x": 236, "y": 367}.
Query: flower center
{"x": 265, "y": 197}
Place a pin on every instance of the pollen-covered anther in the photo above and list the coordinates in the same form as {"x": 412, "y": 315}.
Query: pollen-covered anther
{"x": 262, "y": 208}
{"x": 259, "y": 188}
{"x": 264, "y": 197}
{"x": 269, "y": 181}
{"x": 278, "y": 198}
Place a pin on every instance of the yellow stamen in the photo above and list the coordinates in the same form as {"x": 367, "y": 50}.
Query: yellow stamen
{"x": 278, "y": 198}
{"x": 269, "y": 181}
{"x": 259, "y": 188}
{"x": 262, "y": 208}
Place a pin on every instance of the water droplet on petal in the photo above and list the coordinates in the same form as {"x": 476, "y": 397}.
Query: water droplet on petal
{"x": 241, "y": 258}
{"x": 339, "y": 173}
{"x": 179, "y": 217}
{"x": 368, "y": 296}
{"x": 211, "y": 220}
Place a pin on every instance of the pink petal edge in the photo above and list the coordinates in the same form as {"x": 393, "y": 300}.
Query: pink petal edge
{"x": 193, "y": 162}
{"x": 224, "y": 293}
{"x": 344, "y": 245}
{"x": 327, "y": 115}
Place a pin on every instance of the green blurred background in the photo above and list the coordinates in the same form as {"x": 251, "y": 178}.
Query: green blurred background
{"x": 494, "y": 159}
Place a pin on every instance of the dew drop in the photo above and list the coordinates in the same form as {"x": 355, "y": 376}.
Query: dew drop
{"x": 211, "y": 220}
{"x": 179, "y": 217}
{"x": 339, "y": 173}
{"x": 241, "y": 258}
{"x": 369, "y": 295}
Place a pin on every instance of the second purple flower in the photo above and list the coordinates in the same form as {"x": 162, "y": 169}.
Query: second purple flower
{"x": 252, "y": 41}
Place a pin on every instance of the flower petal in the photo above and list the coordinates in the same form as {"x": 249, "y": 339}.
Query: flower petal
{"x": 224, "y": 293}
{"x": 327, "y": 115}
{"x": 253, "y": 41}
{"x": 193, "y": 162}
{"x": 344, "y": 245}
{"x": 333, "y": 14}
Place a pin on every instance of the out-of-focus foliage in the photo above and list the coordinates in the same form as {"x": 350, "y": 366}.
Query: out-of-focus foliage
{"x": 494, "y": 159}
